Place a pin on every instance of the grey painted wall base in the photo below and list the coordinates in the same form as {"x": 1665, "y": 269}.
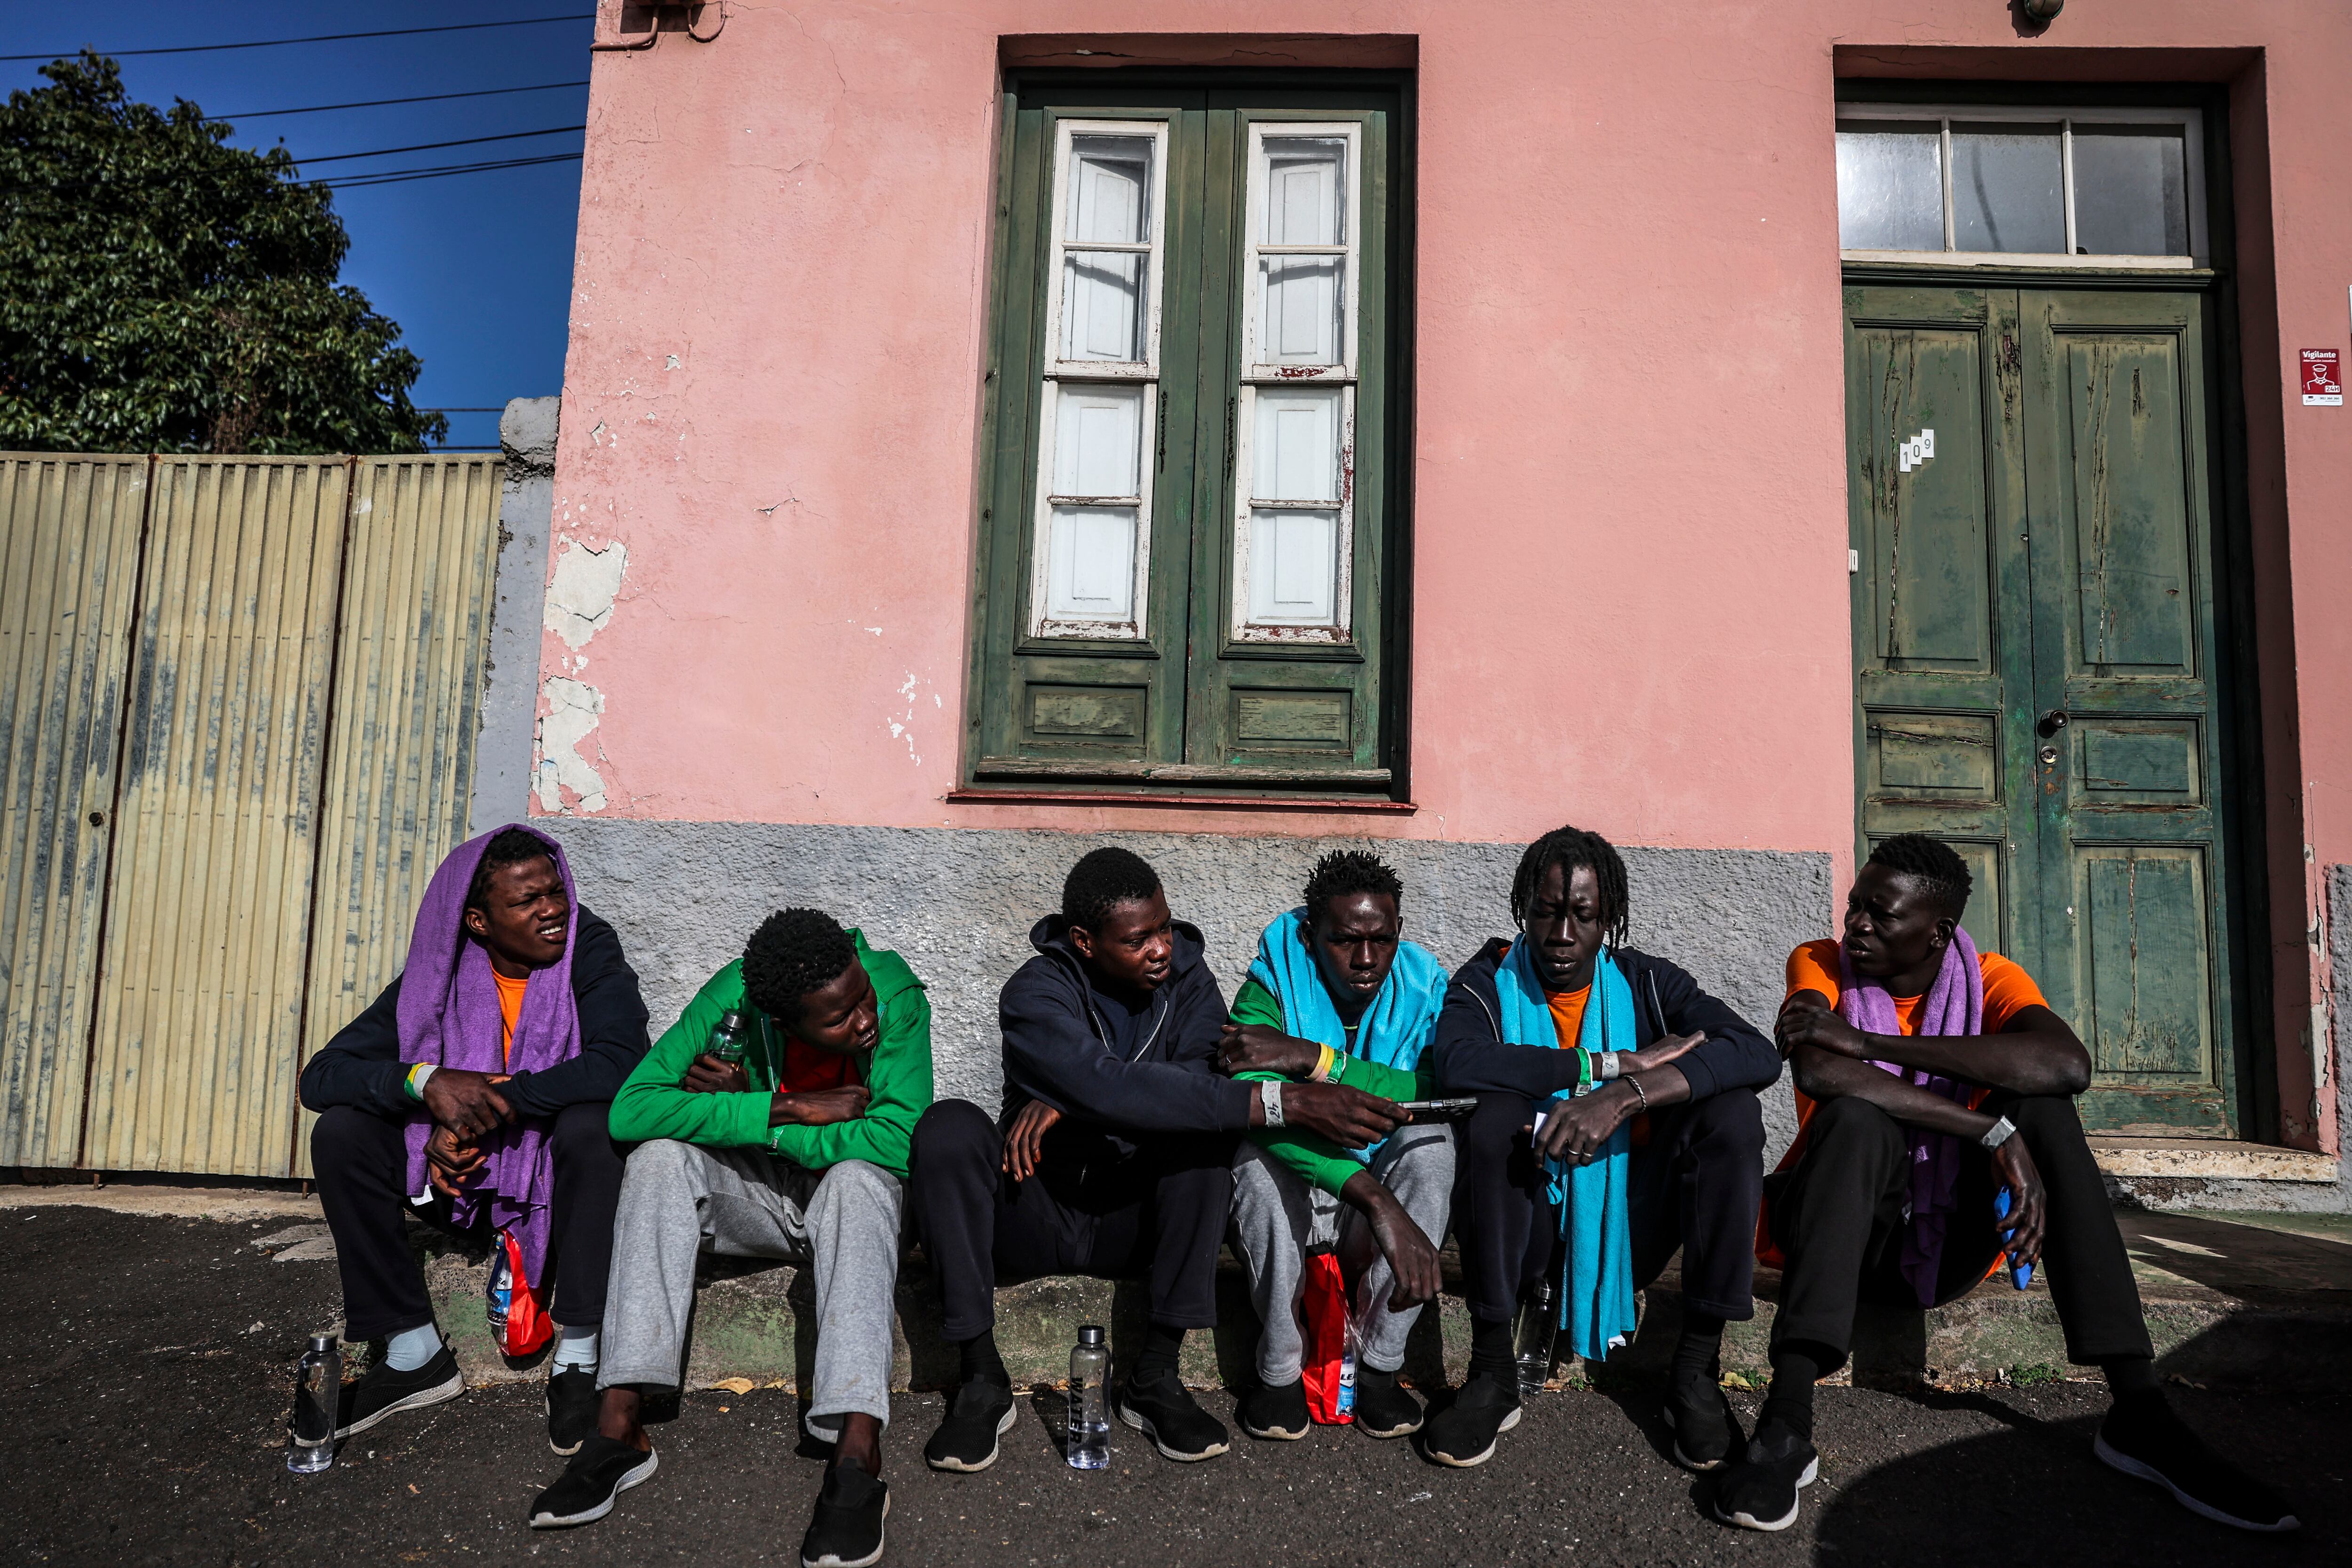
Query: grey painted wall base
{"x": 959, "y": 904}
{"x": 502, "y": 749}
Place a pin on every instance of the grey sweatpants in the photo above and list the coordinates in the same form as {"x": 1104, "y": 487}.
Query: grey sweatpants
{"x": 677, "y": 1199}
{"x": 1277, "y": 1216}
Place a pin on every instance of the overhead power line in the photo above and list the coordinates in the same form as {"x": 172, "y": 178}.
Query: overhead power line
{"x": 401, "y": 177}
{"x": 429, "y": 146}
{"x": 382, "y": 102}
{"x": 315, "y": 39}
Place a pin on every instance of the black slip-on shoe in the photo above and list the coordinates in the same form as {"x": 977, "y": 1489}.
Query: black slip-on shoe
{"x": 603, "y": 1469}
{"x": 572, "y": 1404}
{"x": 1758, "y": 1490}
{"x": 1278, "y": 1414}
{"x": 1385, "y": 1407}
{"x": 1463, "y": 1433}
{"x": 1705, "y": 1428}
{"x": 1164, "y": 1411}
{"x": 2158, "y": 1446}
{"x": 845, "y": 1532}
{"x": 385, "y": 1393}
{"x": 981, "y": 1412}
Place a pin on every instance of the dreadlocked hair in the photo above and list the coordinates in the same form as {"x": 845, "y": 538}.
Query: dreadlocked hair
{"x": 794, "y": 952}
{"x": 514, "y": 847}
{"x": 1345, "y": 871}
{"x": 1934, "y": 863}
{"x": 1102, "y": 879}
{"x": 1568, "y": 848}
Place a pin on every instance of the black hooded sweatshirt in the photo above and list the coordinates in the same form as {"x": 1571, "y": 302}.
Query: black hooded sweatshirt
{"x": 1098, "y": 1060}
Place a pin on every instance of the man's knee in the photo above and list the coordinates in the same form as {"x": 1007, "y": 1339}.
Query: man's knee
{"x": 584, "y": 1132}
{"x": 657, "y": 1163}
{"x": 1730, "y": 1124}
{"x": 2045, "y": 1117}
{"x": 857, "y": 1190}
{"x": 953, "y": 1132}
{"x": 346, "y": 1139}
{"x": 1851, "y": 1120}
{"x": 1493, "y": 1129}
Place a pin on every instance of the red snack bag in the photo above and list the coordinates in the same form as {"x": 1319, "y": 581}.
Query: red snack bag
{"x": 528, "y": 1326}
{"x": 1324, "y": 1304}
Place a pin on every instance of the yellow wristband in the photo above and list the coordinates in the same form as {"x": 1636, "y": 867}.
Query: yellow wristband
{"x": 1324, "y": 1064}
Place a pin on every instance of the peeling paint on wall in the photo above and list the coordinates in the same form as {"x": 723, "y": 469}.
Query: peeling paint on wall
{"x": 580, "y": 599}
{"x": 573, "y": 708}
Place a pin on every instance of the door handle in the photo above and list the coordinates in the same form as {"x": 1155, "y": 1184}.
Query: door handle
{"x": 2051, "y": 722}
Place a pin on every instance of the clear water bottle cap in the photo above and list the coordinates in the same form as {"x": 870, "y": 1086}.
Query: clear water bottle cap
{"x": 322, "y": 1343}
{"x": 1090, "y": 1333}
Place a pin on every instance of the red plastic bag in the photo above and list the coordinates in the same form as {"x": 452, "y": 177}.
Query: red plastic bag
{"x": 1324, "y": 1305}
{"x": 528, "y": 1324}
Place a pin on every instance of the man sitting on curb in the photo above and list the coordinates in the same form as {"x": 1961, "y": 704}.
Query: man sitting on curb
{"x": 797, "y": 1153}
{"x": 475, "y": 1092}
{"x": 1655, "y": 1143}
{"x": 1113, "y": 1156}
{"x": 1931, "y": 1077}
{"x": 1337, "y": 996}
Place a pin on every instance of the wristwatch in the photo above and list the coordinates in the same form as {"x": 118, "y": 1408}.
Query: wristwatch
{"x": 1269, "y": 1096}
{"x": 1999, "y": 1134}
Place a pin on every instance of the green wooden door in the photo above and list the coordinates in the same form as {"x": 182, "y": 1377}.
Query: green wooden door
{"x": 2033, "y": 620}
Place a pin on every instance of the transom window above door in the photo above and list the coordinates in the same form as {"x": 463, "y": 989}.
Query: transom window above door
{"x": 2004, "y": 186}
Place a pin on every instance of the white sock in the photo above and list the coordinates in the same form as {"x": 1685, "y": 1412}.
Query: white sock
{"x": 411, "y": 1348}
{"x": 576, "y": 1348}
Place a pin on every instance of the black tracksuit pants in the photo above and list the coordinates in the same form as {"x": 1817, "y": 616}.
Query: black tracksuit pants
{"x": 1091, "y": 1208}
{"x": 1837, "y": 1217}
{"x": 1695, "y": 1187}
{"x": 360, "y": 1160}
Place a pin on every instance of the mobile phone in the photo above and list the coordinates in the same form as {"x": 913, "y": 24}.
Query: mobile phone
{"x": 1438, "y": 1110}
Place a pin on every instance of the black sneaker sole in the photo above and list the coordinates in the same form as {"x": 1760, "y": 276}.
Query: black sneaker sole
{"x": 1271, "y": 1434}
{"x": 1749, "y": 1521}
{"x": 1420, "y": 1419}
{"x": 870, "y": 1558}
{"x": 959, "y": 1466}
{"x": 1701, "y": 1465}
{"x": 441, "y": 1394}
{"x": 629, "y": 1478}
{"x": 1142, "y": 1424}
{"x": 1509, "y": 1421}
{"x": 2116, "y": 1459}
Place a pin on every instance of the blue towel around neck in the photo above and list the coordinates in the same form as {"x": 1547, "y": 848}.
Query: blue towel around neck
{"x": 1595, "y": 1225}
{"x": 1395, "y": 1029}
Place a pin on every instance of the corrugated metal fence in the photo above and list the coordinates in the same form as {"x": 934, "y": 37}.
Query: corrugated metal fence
{"x": 237, "y": 705}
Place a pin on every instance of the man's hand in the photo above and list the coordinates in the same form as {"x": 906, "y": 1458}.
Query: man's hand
{"x": 1411, "y": 1258}
{"x": 708, "y": 1074}
{"x": 1804, "y": 1024}
{"x": 1576, "y": 1129}
{"x": 450, "y": 1162}
{"x": 1658, "y": 1053}
{"x": 1349, "y": 1117}
{"x": 1261, "y": 1047}
{"x": 818, "y": 1107}
{"x": 1024, "y": 1140}
{"x": 2028, "y": 1215}
{"x": 467, "y": 1103}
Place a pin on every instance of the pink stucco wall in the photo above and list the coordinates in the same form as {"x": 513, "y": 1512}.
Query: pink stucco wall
{"x": 1629, "y": 583}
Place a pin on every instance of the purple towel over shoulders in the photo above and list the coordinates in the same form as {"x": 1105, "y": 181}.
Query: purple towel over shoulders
{"x": 449, "y": 1015}
{"x": 1955, "y": 1005}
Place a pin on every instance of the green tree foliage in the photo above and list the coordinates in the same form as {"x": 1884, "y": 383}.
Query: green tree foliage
{"x": 163, "y": 291}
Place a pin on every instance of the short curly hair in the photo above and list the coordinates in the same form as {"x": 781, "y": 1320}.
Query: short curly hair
{"x": 794, "y": 952}
{"x": 1102, "y": 880}
{"x": 1934, "y": 863}
{"x": 1345, "y": 871}
{"x": 512, "y": 847}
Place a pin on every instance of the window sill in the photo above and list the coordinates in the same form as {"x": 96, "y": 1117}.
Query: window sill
{"x": 1005, "y": 779}
{"x": 1326, "y": 805}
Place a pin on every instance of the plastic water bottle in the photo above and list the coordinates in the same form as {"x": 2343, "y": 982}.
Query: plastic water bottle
{"x": 2019, "y": 1274}
{"x": 318, "y": 1399}
{"x": 727, "y": 1041}
{"x": 1089, "y": 1417}
{"x": 498, "y": 1292}
{"x": 1344, "y": 1406}
{"x": 1537, "y": 1327}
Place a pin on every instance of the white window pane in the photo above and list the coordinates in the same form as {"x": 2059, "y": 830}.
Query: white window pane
{"x": 1102, "y": 299}
{"x": 1294, "y": 567}
{"x": 1304, "y": 296}
{"x": 1306, "y": 190}
{"x": 2006, "y": 189}
{"x": 1294, "y": 447}
{"x": 1890, "y": 185}
{"x": 1097, "y": 440}
{"x": 1090, "y": 564}
{"x": 2131, "y": 190}
{"x": 1110, "y": 189}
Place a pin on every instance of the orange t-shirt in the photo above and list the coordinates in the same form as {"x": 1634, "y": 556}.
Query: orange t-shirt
{"x": 509, "y": 1012}
{"x": 1568, "y": 1015}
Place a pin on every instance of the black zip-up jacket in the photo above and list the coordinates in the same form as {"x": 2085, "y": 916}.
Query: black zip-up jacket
{"x": 1058, "y": 1044}
{"x": 362, "y": 1066}
{"x": 1472, "y": 1057}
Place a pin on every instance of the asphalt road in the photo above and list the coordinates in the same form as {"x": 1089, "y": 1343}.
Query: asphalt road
{"x": 145, "y": 1362}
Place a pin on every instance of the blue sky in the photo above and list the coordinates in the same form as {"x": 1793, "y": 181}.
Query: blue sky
{"x": 477, "y": 269}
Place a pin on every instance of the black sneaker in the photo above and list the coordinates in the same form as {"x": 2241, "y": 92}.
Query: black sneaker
{"x": 1163, "y": 1410}
{"x": 603, "y": 1469}
{"x": 1385, "y": 1408}
{"x": 1758, "y": 1490}
{"x": 383, "y": 1393}
{"x": 845, "y": 1532}
{"x": 1278, "y": 1415}
{"x": 2156, "y": 1445}
{"x": 571, "y": 1402}
{"x": 1705, "y": 1427}
{"x": 981, "y": 1412}
{"x": 1463, "y": 1434}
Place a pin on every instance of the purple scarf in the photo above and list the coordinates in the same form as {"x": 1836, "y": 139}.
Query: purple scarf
{"x": 1955, "y": 1005}
{"x": 449, "y": 1016}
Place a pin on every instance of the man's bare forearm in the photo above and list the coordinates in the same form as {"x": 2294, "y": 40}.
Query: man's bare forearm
{"x": 1824, "y": 1076}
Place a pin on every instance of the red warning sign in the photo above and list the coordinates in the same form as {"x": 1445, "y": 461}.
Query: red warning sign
{"x": 2323, "y": 378}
